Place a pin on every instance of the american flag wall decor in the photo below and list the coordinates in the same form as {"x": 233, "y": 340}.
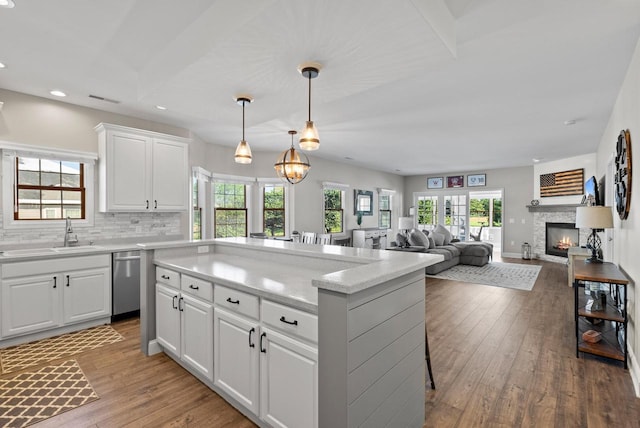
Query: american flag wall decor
{"x": 563, "y": 183}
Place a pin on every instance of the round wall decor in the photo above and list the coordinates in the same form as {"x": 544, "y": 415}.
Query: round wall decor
{"x": 623, "y": 174}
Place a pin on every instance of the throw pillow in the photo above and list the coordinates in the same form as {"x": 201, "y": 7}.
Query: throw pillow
{"x": 418, "y": 239}
{"x": 401, "y": 240}
{"x": 438, "y": 238}
{"x": 447, "y": 235}
{"x": 432, "y": 242}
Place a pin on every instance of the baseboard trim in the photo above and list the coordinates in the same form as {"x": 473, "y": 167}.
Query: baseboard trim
{"x": 634, "y": 371}
{"x": 154, "y": 347}
{"x": 511, "y": 255}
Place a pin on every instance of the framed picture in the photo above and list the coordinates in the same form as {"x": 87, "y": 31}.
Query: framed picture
{"x": 476, "y": 180}
{"x": 435, "y": 183}
{"x": 455, "y": 181}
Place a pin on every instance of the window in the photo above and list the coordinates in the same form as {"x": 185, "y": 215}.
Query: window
{"x": 478, "y": 212}
{"x": 384, "y": 215}
{"x": 197, "y": 211}
{"x": 273, "y": 210}
{"x": 333, "y": 210}
{"x": 427, "y": 211}
{"x": 497, "y": 213}
{"x": 455, "y": 214}
{"x": 230, "y": 209}
{"x": 48, "y": 189}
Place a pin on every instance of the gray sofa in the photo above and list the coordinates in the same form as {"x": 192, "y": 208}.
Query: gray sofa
{"x": 473, "y": 253}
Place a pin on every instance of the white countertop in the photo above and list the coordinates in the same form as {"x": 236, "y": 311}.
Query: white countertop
{"x": 343, "y": 269}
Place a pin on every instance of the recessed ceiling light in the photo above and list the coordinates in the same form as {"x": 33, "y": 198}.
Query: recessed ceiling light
{"x": 7, "y": 3}
{"x": 2, "y": 65}
{"x": 161, "y": 107}
{"x": 58, "y": 93}
{"x": 536, "y": 160}
{"x": 570, "y": 122}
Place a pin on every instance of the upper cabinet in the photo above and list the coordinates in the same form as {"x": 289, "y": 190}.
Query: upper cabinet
{"x": 142, "y": 170}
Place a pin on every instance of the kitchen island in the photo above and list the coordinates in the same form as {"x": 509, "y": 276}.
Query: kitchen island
{"x": 292, "y": 334}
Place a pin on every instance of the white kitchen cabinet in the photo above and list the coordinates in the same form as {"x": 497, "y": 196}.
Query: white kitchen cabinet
{"x": 288, "y": 381}
{"x": 142, "y": 170}
{"x": 46, "y": 294}
{"x": 184, "y": 323}
{"x": 30, "y": 304}
{"x": 236, "y": 357}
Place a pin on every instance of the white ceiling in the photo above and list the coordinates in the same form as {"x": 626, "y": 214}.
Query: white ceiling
{"x": 407, "y": 86}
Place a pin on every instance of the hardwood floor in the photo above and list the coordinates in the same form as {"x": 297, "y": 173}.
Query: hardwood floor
{"x": 501, "y": 358}
{"x": 506, "y": 358}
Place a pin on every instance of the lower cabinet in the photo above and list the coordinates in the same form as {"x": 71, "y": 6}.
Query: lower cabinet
{"x": 50, "y": 299}
{"x": 269, "y": 371}
{"x": 184, "y": 327}
{"x": 288, "y": 381}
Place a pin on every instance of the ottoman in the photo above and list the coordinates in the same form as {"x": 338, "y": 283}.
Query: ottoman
{"x": 475, "y": 253}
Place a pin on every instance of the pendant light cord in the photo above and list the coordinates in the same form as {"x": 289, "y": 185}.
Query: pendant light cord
{"x": 309, "y": 96}
{"x": 243, "y": 102}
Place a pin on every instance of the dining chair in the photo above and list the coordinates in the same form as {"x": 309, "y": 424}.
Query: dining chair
{"x": 323, "y": 239}
{"x": 308, "y": 237}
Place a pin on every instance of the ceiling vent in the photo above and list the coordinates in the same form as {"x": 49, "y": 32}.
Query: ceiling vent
{"x": 98, "y": 97}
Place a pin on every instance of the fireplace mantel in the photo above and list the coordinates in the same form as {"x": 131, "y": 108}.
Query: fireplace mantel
{"x": 553, "y": 208}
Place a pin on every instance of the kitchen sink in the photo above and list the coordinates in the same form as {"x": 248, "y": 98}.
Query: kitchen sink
{"x": 77, "y": 248}
{"x": 52, "y": 250}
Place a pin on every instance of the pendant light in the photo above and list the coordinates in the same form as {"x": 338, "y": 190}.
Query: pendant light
{"x": 243, "y": 151}
{"x": 292, "y": 166}
{"x": 309, "y": 139}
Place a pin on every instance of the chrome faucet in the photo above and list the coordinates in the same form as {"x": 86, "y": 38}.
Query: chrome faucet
{"x": 68, "y": 230}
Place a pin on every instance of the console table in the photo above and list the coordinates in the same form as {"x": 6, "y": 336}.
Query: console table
{"x": 375, "y": 238}
{"x": 611, "y": 320}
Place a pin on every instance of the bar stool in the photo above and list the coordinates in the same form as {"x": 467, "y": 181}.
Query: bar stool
{"x": 428, "y": 357}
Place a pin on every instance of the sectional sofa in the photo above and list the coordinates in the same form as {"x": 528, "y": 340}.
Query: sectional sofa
{"x": 440, "y": 241}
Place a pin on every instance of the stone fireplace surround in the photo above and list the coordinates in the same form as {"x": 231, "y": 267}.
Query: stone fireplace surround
{"x": 554, "y": 214}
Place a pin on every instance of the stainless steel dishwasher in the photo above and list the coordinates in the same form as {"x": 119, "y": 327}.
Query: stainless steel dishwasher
{"x": 125, "y": 284}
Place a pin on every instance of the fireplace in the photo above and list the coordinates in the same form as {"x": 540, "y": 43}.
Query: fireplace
{"x": 559, "y": 237}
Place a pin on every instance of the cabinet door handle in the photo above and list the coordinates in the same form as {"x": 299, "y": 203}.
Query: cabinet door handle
{"x": 165, "y": 277}
{"x": 235, "y": 302}
{"x": 173, "y": 302}
{"x": 67, "y": 280}
{"x": 55, "y": 282}
{"x": 155, "y": 204}
{"x": 147, "y": 203}
{"x": 251, "y": 344}
{"x": 180, "y": 305}
{"x": 284, "y": 320}
{"x": 193, "y": 287}
{"x": 262, "y": 336}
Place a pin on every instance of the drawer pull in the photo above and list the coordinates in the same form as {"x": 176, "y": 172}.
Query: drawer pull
{"x": 180, "y": 306}
{"x": 55, "y": 282}
{"x": 262, "y": 336}
{"x": 284, "y": 320}
{"x": 251, "y": 344}
{"x": 173, "y": 302}
{"x": 67, "y": 280}
{"x": 235, "y": 302}
{"x": 193, "y": 287}
{"x": 165, "y": 277}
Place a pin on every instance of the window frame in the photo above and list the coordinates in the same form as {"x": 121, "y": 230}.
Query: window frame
{"x": 10, "y": 151}
{"x": 246, "y": 208}
{"x": 389, "y": 210}
{"x": 264, "y": 209}
{"x": 341, "y": 210}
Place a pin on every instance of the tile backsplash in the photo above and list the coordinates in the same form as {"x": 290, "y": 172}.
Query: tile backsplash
{"x": 107, "y": 226}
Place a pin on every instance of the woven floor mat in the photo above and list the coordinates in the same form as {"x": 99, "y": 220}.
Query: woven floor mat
{"x": 31, "y": 397}
{"x": 45, "y": 350}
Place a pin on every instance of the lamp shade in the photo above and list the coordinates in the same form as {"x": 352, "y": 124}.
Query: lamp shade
{"x": 594, "y": 217}
{"x": 405, "y": 223}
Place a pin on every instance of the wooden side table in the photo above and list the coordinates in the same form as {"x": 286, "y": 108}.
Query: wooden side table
{"x": 611, "y": 320}
{"x": 575, "y": 255}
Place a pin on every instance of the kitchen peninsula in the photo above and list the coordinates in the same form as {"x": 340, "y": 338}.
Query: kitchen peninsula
{"x": 292, "y": 334}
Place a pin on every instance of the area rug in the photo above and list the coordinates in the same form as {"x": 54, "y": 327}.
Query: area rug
{"x": 508, "y": 275}
{"x": 32, "y": 397}
{"x": 42, "y": 351}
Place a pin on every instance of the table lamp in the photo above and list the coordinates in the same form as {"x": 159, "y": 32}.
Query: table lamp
{"x": 594, "y": 217}
{"x": 404, "y": 225}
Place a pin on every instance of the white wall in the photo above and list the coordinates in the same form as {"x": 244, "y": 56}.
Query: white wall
{"x": 626, "y": 115}
{"x": 517, "y": 189}
{"x": 587, "y": 162}
{"x": 30, "y": 120}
